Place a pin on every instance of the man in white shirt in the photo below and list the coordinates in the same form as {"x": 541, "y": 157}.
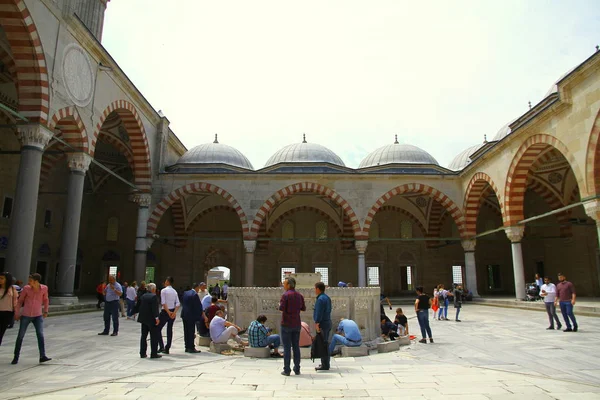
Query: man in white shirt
{"x": 221, "y": 331}
{"x": 130, "y": 297}
{"x": 169, "y": 300}
{"x": 548, "y": 293}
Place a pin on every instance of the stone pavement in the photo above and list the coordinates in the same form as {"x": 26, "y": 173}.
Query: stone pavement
{"x": 494, "y": 353}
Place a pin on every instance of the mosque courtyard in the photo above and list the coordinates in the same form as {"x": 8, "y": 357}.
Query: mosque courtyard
{"x": 494, "y": 353}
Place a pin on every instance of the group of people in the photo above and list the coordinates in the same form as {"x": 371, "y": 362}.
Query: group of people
{"x": 442, "y": 298}
{"x": 29, "y": 305}
{"x": 563, "y": 295}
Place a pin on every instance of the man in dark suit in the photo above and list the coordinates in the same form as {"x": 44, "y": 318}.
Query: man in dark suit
{"x": 148, "y": 317}
{"x": 191, "y": 313}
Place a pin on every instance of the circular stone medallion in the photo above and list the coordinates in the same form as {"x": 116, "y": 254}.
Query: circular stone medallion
{"x": 78, "y": 75}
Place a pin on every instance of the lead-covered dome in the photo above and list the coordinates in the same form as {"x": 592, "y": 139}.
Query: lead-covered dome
{"x": 504, "y": 131}
{"x": 464, "y": 157}
{"x": 305, "y": 153}
{"x": 215, "y": 153}
{"x": 397, "y": 153}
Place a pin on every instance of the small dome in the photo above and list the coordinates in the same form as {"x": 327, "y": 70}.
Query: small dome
{"x": 554, "y": 87}
{"x": 503, "y": 132}
{"x": 397, "y": 154}
{"x": 305, "y": 153}
{"x": 215, "y": 153}
{"x": 464, "y": 157}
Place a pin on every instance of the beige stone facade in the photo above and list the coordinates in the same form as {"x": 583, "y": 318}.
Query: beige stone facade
{"x": 398, "y": 222}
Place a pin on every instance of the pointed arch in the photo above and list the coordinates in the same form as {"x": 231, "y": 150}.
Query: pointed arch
{"x": 29, "y": 60}
{"x": 592, "y": 164}
{"x": 190, "y": 188}
{"x": 290, "y": 190}
{"x": 472, "y": 204}
{"x": 142, "y": 171}
{"x": 516, "y": 179}
{"x": 444, "y": 200}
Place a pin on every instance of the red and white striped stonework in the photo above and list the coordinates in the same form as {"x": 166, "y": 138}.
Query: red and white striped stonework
{"x": 137, "y": 136}
{"x": 30, "y": 63}
{"x": 516, "y": 180}
{"x": 299, "y": 188}
{"x": 179, "y": 223}
{"x": 479, "y": 183}
{"x": 198, "y": 187}
{"x": 68, "y": 126}
{"x": 592, "y": 164}
{"x": 554, "y": 201}
{"x": 444, "y": 200}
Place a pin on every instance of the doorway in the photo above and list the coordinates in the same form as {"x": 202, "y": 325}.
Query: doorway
{"x": 42, "y": 269}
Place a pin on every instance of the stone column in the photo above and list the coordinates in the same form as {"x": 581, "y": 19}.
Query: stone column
{"x": 78, "y": 166}
{"x": 515, "y": 235}
{"x": 250, "y": 246}
{"x": 592, "y": 209}
{"x": 470, "y": 266}
{"x": 141, "y": 243}
{"x": 361, "y": 247}
{"x": 34, "y": 138}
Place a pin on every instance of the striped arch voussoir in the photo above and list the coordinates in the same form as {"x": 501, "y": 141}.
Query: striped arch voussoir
{"x": 30, "y": 61}
{"x": 444, "y": 200}
{"x": 138, "y": 139}
{"x": 298, "y": 188}
{"x": 198, "y": 187}
{"x": 592, "y": 162}
{"x": 72, "y": 129}
{"x": 472, "y": 202}
{"x": 516, "y": 180}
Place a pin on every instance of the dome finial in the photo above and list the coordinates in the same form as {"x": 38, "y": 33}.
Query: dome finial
{"x": 216, "y": 139}
{"x": 304, "y": 138}
{"x": 529, "y": 104}
{"x": 396, "y": 139}
{"x": 484, "y": 138}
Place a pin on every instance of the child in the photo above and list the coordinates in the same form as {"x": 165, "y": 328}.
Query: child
{"x": 402, "y": 322}
{"x": 388, "y": 329}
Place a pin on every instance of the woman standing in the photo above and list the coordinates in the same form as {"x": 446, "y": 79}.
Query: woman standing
{"x": 422, "y": 305}
{"x": 8, "y": 302}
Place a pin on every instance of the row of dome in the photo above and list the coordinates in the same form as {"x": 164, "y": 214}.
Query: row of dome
{"x": 217, "y": 153}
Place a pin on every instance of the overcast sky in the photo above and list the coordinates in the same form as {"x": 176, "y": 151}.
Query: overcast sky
{"x": 349, "y": 74}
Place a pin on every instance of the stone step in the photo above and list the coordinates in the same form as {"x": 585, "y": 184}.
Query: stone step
{"x": 257, "y": 352}
{"x": 219, "y": 347}
{"x": 403, "y": 340}
{"x": 202, "y": 341}
{"x": 388, "y": 347}
{"x": 304, "y": 352}
{"x": 357, "y": 351}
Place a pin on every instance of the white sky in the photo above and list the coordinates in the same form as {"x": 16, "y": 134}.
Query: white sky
{"x": 350, "y": 74}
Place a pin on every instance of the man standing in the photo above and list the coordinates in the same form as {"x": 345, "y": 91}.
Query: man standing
{"x": 191, "y": 313}
{"x": 33, "y": 298}
{"x": 322, "y": 318}
{"x": 122, "y": 299}
{"x": 130, "y": 298}
{"x": 565, "y": 294}
{"x": 148, "y": 318}
{"x": 290, "y": 305}
{"x": 170, "y": 305}
{"x": 112, "y": 294}
{"x": 548, "y": 293}
{"x": 224, "y": 290}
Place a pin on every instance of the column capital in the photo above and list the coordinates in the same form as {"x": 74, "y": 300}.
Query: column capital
{"x": 469, "y": 245}
{"x": 361, "y": 245}
{"x": 142, "y": 199}
{"x": 592, "y": 209}
{"x": 250, "y": 246}
{"x": 34, "y": 135}
{"x": 514, "y": 233}
{"x": 79, "y": 162}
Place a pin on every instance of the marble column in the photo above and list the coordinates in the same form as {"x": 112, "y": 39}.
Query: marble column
{"x": 78, "y": 165}
{"x": 141, "y": 242}
{"x": 470, "y": 266}
{"x": 250, "y": 246}
{"x": 515, "y": 235}
{"x": 33, "y": 138}
{"x": 361, "y": 247}
{"x": 592, "y": 209}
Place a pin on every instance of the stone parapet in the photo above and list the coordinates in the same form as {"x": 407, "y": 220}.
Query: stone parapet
{"x": 360, "y": 304}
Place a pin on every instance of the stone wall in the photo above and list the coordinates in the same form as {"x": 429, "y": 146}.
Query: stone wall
{"x": 359, "y": 304}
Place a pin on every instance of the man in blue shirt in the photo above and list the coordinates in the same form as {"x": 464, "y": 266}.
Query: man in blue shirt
{"x": 112, "y": 294}
{"x": 347, "y": 334}
{"x": 322, "y": 318}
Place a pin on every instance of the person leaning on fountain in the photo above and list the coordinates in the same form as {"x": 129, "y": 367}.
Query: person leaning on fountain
{"x": 347, "y": 334}
{"x": 260, "y": 336}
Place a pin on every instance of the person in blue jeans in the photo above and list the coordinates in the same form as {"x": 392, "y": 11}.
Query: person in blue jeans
{"x": 290, "y": 305}
{"x": 322, "y": 318}
{"x": 347, "y": 334}
{"x": 422, "y": 305}
{"x": 112, "y": 293}
{"x": 566, "y": 297}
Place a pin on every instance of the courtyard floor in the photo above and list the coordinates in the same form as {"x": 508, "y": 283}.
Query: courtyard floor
{"x": 495, "y": 353}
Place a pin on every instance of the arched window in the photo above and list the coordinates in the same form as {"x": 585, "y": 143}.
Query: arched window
{"x": 321, "y": 230}
{"x": 287, "y": 230}
{"x": 112, "y": 229}
{"x": 406, "y": 229}
{"x": 374, "y": 231}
